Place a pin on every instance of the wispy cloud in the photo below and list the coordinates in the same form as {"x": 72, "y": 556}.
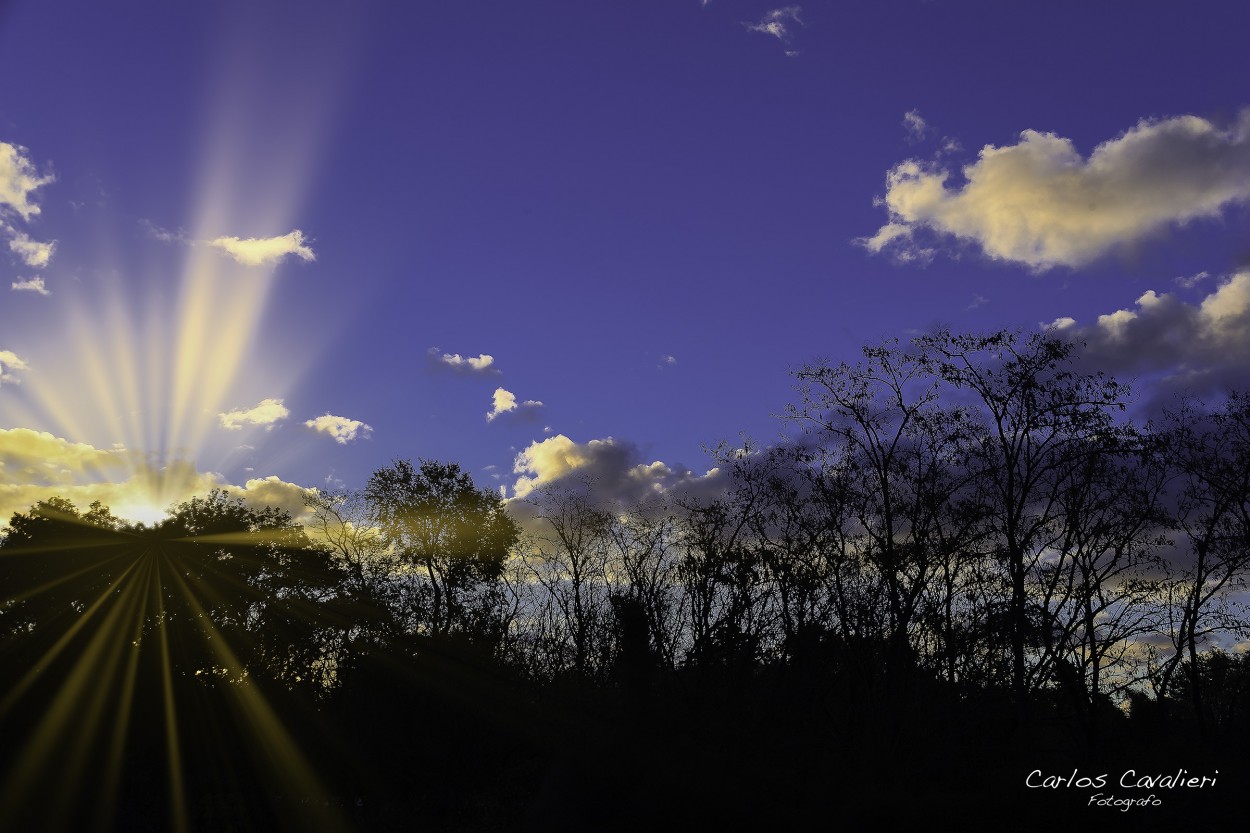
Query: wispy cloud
{"x": 481, "y": 365}
{"x": 505, "y": 402}
{"x": 915, "y": 126}
{"x": 1041, "y": 204}
{"x": 163, "y": 235}
{"x": 34, "y": 284}
{"x": 261, "y": 251}
{"x": 268, "y": 412}
{"x": 9, "y": 363}
{"x": 341, "y": 429}
{"x": 1190, "y": 281}
{"x": 777, "y": 23}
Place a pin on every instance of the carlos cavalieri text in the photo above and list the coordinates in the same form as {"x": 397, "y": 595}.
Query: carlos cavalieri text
{"x": 1129, "y": 779}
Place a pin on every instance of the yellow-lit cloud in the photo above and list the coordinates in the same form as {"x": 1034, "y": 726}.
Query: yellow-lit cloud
{"x": 9, "y": 362}
{"x": 268, "y": 412}
{"x": 274, "y": 492}
{"x": 1040, "y": 203}
{"x": 482, "y": 364}
{"x": 19, "y": 180}
{"x": 342, "y": 429}
{"x": 614, "y": 469}
{"x": 36, "y": 465}
{"x": 504, "y": 402}
{"x": 34, "y": 284}
{"x": 258, "y": 251}
{"x": 32, "y": 252}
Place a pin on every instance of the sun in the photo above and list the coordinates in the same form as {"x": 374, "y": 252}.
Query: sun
{"x": 141, "y": 510}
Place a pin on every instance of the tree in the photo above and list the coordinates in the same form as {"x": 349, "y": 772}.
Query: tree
{"x": 340, "y": 525}
{"x": 246, "y": 592}
{"x": 1210, "y": 459}
{"x": 452, "y": 537}
{"x": 568, "y": 557}
{"x": 1039, "y": 412}
{"x": 879, "y": 426}
{"x": 1102, "y": 584}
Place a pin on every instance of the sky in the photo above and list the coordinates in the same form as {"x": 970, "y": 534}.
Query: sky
{"x": 276, "y": 246}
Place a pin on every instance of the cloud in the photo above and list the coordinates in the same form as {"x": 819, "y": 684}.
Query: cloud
{"x": 915, "y": 125}
{"x": 1041, "y": 204}
{"x": 1190, "y": 281}
{"x": 260, "y": 492}
{"x": 19, "y": 180}
{"x": 775, "y": 22}
{"x": 1198, "y": 347}
{"x": 32, "y": 252}
{"x": 36, "y": 465}
{"x": 34, "y": 284}
{"x": 467, "y": 365}
{"x": 342, "y": 429}
{"x": 268, "y": 412}
{"x": 258, "y": 251}
{"x": 163, "y": 235}
{"x": 615, "y": 469}
{"x": 37, "y": 457}
{"x": 504, "y": 402}
{"x": 10, "y": 362}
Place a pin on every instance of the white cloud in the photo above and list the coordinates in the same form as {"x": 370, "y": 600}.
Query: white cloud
{"x": 268, "y": 412}
{"x": 341, "y": 429}
{"x": 915, "y": 125}
{"x": 1040, "y": 203}
{"x": 504, "y": 402}
{"x": 32, "y": 252}
{"x": 775, "y": 22}
{"x": 258, "y": 251}
{"x": 10, "y": 362}
{"x": 19, "y": 181}
{"x": 1196, "y": 346}
{"x": 34, "y": 284}
{"x": 481, "y": 365}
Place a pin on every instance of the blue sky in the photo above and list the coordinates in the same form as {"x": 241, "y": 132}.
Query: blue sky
{"x": 645, "y": 213}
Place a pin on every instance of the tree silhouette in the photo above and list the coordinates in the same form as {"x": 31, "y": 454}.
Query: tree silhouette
{"x": 453, "y": 537}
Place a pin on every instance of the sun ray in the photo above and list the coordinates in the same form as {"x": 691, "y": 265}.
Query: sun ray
{"x": 66, "y": 639}
{"x": 173, "y": 750}
{"x": 77, "y": 705}
{"x": 287, "y": 763}
{"x": 111, "y": 777}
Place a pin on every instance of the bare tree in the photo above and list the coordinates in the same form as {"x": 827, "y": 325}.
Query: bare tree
{"x": 1210, "y": 458}
{"x": 1039, "y": 413}
{"x": 568, "y": 557}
